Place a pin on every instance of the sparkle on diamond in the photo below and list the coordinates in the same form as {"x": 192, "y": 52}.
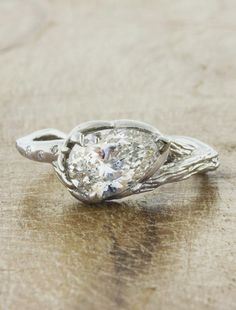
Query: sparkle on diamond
{"x": 111, "y": 161}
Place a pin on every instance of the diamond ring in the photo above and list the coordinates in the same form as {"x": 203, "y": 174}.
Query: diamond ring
{"x": 104, "y": 160}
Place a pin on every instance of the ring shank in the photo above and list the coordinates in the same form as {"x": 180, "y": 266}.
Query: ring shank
{"x": 42, "y": 145}
{"x": 187, "y": 157}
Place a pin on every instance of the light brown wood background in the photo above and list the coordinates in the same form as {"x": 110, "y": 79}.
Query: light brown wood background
{"x": 169, "y": 63}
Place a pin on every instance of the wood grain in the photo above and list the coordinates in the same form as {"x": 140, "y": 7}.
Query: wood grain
{"x": 169, "y": 63}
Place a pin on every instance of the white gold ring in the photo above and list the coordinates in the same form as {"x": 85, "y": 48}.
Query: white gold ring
{"x": 104, "y": 160}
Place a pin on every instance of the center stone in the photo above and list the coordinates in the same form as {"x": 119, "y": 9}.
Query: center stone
{"x": 111, "y": 161}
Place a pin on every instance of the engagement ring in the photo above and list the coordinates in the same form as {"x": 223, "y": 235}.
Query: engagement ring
{"x": 104, "y": 160}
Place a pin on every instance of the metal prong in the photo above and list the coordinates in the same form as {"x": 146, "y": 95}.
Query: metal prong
{"x": 77, "y": 138}
{"x": 64, "y": 150}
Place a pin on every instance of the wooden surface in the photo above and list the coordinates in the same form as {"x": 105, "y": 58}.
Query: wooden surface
{"x": 169, "y": 63}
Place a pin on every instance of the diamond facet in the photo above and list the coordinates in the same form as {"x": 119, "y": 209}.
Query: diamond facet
{"x": 111, "y": 161}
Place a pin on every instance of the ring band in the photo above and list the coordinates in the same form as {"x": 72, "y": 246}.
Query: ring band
{"x": 104, "y": 160}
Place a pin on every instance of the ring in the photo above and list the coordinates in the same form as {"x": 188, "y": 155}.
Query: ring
{"x": 104, "y": 160}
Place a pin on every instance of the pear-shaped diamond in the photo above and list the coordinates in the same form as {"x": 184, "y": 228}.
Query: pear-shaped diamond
{"x": 110, "y": 161}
